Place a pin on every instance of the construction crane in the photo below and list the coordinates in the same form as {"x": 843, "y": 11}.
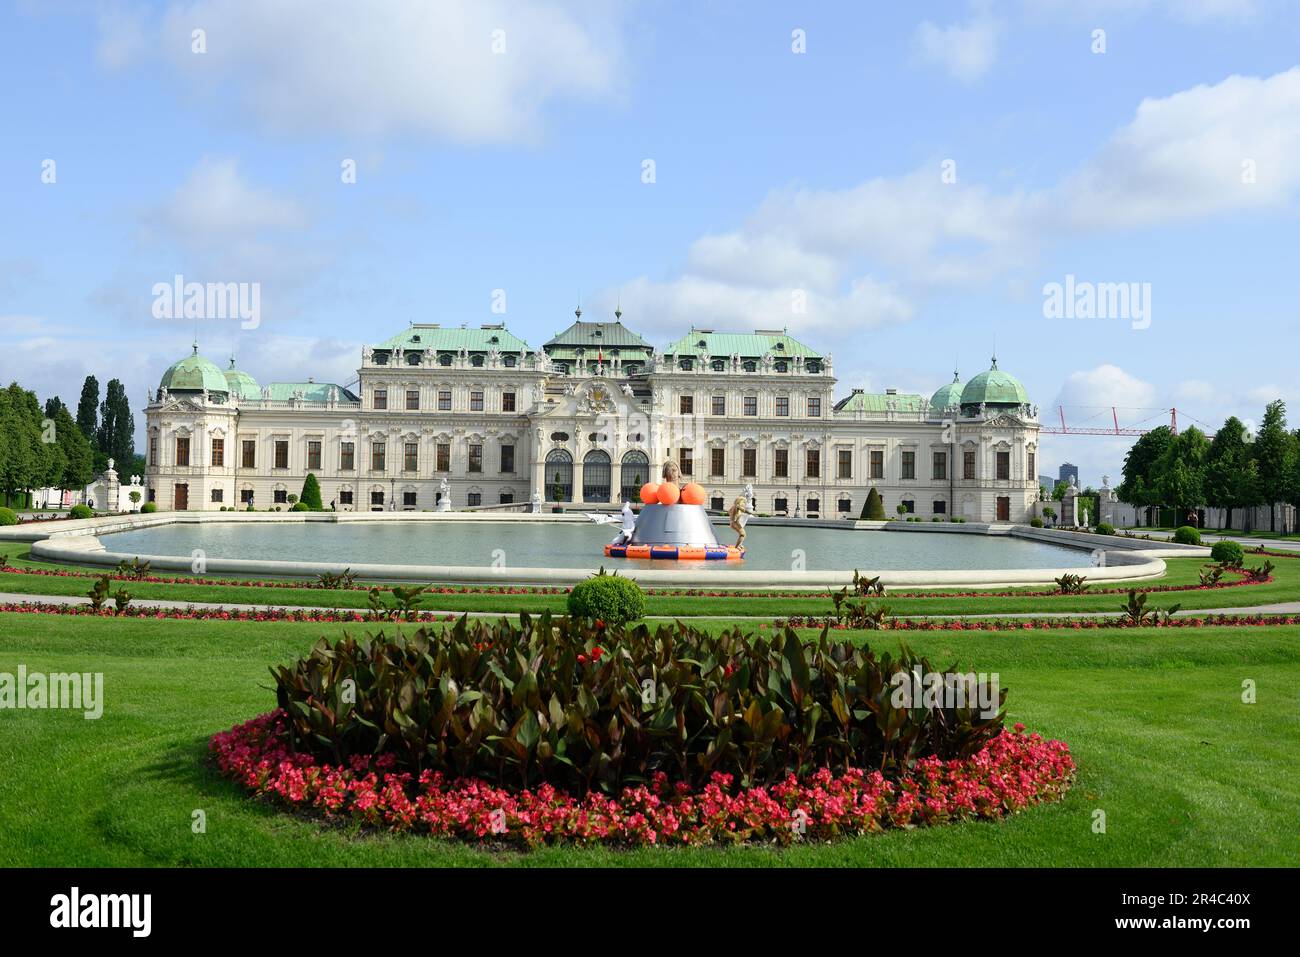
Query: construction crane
{"x": 1115, "y": 428}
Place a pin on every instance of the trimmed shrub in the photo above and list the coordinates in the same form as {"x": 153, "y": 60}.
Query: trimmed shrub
{"x": 560, "y": 702}
{"x": 311, "y": 493}
{"x": 873, "y": 509}
{"x": 299, "y": 507}
{"x": 1035, "y": 523}
{"x": 8, "y": 516}
{"x": 607, "y": 598}
{"x": 1186, "y": 535}
{"x": 1105, "y": 528}
{"x": 149, "y": 508}
{"x": 81, "y": 511}
{"x": 1228, "y": 553}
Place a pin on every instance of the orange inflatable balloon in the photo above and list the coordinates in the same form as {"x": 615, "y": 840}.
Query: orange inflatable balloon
{"x": 669, "y": 494}
{"x": 650, "y": 493}
{"x": 692, "y": 494}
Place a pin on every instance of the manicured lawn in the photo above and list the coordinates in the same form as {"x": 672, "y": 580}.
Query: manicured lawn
{"x": 1186, "y": 773}
{"x": 1181, "y": 571}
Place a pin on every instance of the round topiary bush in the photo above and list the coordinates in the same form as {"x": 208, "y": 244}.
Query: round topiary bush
{"x": 1105, "y": 528}
{"x": 8, "y": 516}
{"x": 1228, "y": 553}
{"x": 1036, "y": 523}
{"x": 149, "y": 507}
{"x": 1186, "y": 535}
{"x": 607, "y": 598}
{"x": 81, "y": 511}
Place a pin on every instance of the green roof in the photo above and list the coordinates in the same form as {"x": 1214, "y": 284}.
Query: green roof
{"x": 433, "y": 336}
{"x": 595, "y": 337}
{"x": 194, "y": 374}
{"x": 242, "y": 385}
{"x": 746, "y": 345}
{"x": 312, "y": 391}
{"x": 994, "y": 387}
{"x": 947, "y": 396}
{"x": 881, "y": 402}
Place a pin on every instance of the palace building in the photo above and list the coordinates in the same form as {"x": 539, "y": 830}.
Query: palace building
{"x": 588, "y": 418}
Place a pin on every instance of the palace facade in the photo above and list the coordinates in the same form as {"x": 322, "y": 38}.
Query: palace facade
{"x": 588, "y": 418}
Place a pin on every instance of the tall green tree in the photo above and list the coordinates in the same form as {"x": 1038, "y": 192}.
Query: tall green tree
{"x": 1139, "y": 485}
{"x": 1230, "y": 477}
{"x": 1179, "y": 473}
{"x": 116, "y": 436}
{"x": 88, "y": 408}
{"x": 1274, "y": 457}
{"x": 78, "y": 457}
{"x": 25, "y": 460}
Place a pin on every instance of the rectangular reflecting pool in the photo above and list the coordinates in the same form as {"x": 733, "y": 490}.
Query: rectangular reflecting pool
{"x": 534, "y": 544}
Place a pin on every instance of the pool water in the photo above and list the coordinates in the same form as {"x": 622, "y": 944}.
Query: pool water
{"x": 563, "y": 545}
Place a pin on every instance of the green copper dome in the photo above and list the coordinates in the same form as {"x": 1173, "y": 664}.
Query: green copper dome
{"x": 947, "y": 396}
{"x": 242, "y": 385}
{"x": 194, "y": 374}
{"x": 995, "y": 388}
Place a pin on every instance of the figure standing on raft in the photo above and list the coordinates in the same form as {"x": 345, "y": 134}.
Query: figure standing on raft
{"x": 739, "y": 514}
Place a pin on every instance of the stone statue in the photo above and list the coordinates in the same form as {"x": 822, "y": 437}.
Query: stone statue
{"x": 444, "y": 495}
{"x": 536, "y": 506}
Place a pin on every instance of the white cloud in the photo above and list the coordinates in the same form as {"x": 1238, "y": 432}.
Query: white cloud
{"x": 387, "y": 67}
{"x": 1105, "y": 385}
{"x": 215, "y": 204}
{"x": 123, "y": 37}
{"x": 966, "y": 51}
{"x": 1183, "y": 156}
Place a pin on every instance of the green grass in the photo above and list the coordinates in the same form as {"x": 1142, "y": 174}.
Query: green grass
{"x": 1181, "y": 571}
{"x": 1186, "y": 773}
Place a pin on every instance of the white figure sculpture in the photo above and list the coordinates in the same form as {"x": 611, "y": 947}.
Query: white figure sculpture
{"x": 629, "y": 525}
{"x": 536, "y": 506}
{"x": 444, "y": 495}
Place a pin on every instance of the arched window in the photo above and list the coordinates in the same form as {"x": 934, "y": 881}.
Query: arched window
{"x": 444, "y": 358}
{"x": 477, "y": 361}
{"x": 510, "y": 361}
{"x": 719, "y": 365}
{"x": 413, "y": 358}
{"x": 595, "y": 476}
{"x": 750, "y": 365}
{"x": 636, "y": 472}
{"x": 559, "y": 476}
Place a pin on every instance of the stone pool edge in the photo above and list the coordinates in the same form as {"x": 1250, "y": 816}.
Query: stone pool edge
{"x": 1125, "y": 560}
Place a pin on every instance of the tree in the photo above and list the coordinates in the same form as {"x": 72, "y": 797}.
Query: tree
{"x": 25, "y": 460}
{"x": 1139, "y": 480}
{"x": 1274, "y": 454}
{"x": 1062, "y": 487}
{"x": 116, "y": 436}
{"x": 1180, "y": 472}
{"x": 873, "y": 509}
{"x": 78, "y": 456}
{"x": 1228, "y": 476}
{"x": 88, "y": 408}
{"x": 311, "y": 493}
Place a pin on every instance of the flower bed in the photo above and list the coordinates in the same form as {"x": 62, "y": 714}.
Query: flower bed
{"x": 1013, "y": 771}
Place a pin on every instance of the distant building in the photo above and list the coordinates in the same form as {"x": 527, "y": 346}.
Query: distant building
{"x": 1068, "y": 473}
{"x": 1047, "y": 482}
{"x": 590, "y": 417}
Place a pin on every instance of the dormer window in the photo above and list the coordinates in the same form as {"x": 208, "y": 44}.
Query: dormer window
{"x": 494, "y": 340}
{"x": 444, "y": 359}
{"x": 750, "y": 365}
{"x": 781, "y": 346}
{"x": 413, "y": 358}
{"x": 702, "y": 344}
{"x": 686, "y": 364}
{"x": 813, "y": 365}
{"x": 415, "y": 338}
{"x": 718, "y": 365}
{"x": 783, "y": 366}
{"x": 476, "y": 361}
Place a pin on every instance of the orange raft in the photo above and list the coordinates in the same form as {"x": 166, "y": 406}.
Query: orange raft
{"x": 678, "y": 552}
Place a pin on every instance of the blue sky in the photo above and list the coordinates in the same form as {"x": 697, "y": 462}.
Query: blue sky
{"x": 775, "y": 172}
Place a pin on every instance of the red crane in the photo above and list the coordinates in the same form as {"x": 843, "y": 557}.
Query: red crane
{"x": 1114, "y": 428}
